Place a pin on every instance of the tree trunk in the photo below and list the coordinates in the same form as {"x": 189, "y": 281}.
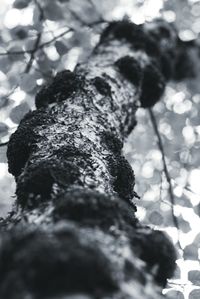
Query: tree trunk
{"x": 73, "y": 231}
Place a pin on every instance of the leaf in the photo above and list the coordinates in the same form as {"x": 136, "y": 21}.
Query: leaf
{"x": 194, "y": 277}
{"x": 3, "y": 157}
{"x": 4, "y": 102}
{"x": 184, "y": 201}
{"x": 174, "y": 295}
{"x": 5, "y": 64}
{"x": 18, "y": 112}
{"x": 37, "y": 24}
{"x": 27, "y": 82}
{"x": 20, "y": 32}
{"x": 191, "y": 252}
{"x": 3, "y": 129}
{"x": 61, "y": 48}
{"x": 20, "y": 4}
{"x": 156, "y": 218}
{"x": 197, "y": 240}
{"x": 53, "y": 11}
{"x": 81, "y": 38}
{"x": 177, "y": 273}
{"x": 29, "y": 44}
{"x": 84, "y": 12}
{"x": 12, "y": 77}
{"x": 16, "y": 57}
{"x": 184, "y": 225}
{"x": 44, "y": 64}
{"x": 195, "y": 294}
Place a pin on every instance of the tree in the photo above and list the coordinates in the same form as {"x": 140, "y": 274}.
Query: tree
{"x": 74, "y": 229}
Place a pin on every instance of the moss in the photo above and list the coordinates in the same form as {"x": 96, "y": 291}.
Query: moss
{"x": 161, "y": 30}
{"x": 92, "y": 208}
{"x": 167, "y": 67}
{"x": 23, "y": 140}
{"x": 130, "y": 271}
{"x": 118, "y": 29}
{"x": 134, "y": 34}
{"x": 124, "y": 30}
{"x": 155, "y": 249}
{"x": 59, "y": 89}
{"x": 175, "y": 57}
{"x": 38, "y": 180}
{"x": 130, "y": 69}
{"x": 102, "y": 86}
{"x": 184, "y": 64}
{"x": 153, "y": 86}
{"x": 54, "y": 262}
{"x": 131, "y": 125}
{"x": 123, "y": 176}
{"x": 112, "y": 142}
{"x": 164, "y": 31}
{"x": 18, "y": 151}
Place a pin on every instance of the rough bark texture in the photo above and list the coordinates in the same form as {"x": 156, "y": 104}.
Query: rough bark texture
{"x": 73, "y": 232}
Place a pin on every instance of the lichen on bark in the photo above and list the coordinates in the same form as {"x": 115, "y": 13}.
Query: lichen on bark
{"x": 74, "y": 230}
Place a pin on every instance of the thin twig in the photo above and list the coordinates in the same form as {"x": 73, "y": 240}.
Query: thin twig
{"x": 161, "y": 186}
{"x": 55, "y": 38}
{"x": 3, "y": 144}
{"x": 41, "y": 10}
{"x": 83, "y": 23}
{"x": 16, "y": 52}
{"x": 101, "y": 19}
{"x": 78, "y": 18}
{"x": 165, "y": 169}
{"x": 38, "y": 46}
{"x": 38, "y": 39}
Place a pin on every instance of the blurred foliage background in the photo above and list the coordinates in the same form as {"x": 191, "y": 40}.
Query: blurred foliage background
{"x": 39, "y": 38}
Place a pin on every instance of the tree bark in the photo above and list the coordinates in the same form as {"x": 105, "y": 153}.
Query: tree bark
{"x": 73, "y": 231}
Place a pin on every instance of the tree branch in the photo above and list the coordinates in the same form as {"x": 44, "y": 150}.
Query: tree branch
{"x": 165, "y": 169}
